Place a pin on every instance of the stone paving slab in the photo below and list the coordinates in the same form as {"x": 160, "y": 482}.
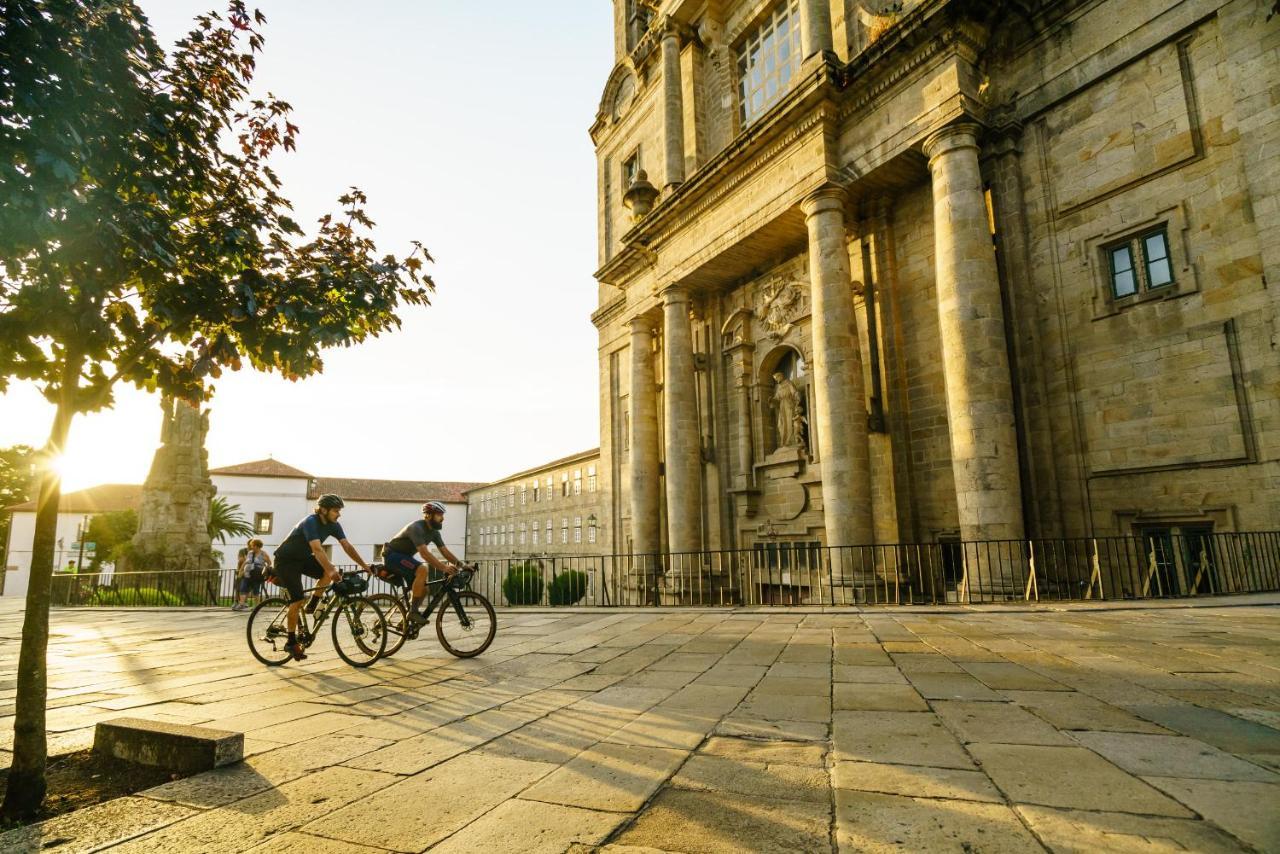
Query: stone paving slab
{"x": 809, "y": 729}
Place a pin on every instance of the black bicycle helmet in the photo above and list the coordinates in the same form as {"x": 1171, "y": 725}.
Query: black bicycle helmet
{"x": 329, "y": 501}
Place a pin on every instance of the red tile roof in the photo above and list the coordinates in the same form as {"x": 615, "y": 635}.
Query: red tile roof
{"x": 98, "y": 499}
{"x": 367, "y": 489}
{"x": 262, "y": 468}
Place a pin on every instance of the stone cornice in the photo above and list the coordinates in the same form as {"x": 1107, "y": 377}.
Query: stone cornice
{"x": 606, "y": 313}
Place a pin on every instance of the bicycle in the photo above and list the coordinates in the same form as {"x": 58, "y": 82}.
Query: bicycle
{"x": 359, "y": 628}
{"x": 465, "y": 628}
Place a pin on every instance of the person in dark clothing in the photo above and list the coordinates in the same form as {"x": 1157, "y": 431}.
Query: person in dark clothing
{"x": 302, "y": 553}
{"x": 407, "y": 553}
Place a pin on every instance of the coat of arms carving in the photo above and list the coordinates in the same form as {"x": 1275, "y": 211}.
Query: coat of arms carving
{"x": 782, "y": 302}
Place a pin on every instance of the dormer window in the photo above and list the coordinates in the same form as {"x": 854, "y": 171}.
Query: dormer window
{"x": 768, "y": 61}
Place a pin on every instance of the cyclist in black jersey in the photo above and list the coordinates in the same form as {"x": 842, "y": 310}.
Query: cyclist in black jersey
{"x": 301, "y": 554}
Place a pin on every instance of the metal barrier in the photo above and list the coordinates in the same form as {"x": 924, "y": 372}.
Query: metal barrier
{"x": 1150, "y": 566}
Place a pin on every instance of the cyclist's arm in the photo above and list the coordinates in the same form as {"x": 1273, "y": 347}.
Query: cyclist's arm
{"x": 450, "y": 556}
{"x": 323, "y": 559}
{"x": 266, "y": 560}
{"x": 433, "y": 561}
{"x": 355, "y": 555}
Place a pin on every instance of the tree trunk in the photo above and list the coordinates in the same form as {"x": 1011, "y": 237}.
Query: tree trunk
{"x": 26, "y": 788}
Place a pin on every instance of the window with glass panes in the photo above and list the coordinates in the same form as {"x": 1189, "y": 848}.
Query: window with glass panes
{"x": 577, "y": 481}
{"x": 564, "y": 531}
{"x": 1140, "y": 264}
{"x": 591, "y": 529}
{"x": 591, "y": 478}
{"x": 577, "y": 529}
{"x": 549, "y": 532}
{"x": 768, "y": 61}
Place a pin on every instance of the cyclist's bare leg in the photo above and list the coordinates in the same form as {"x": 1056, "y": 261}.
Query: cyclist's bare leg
{"x": 419, "y": 585}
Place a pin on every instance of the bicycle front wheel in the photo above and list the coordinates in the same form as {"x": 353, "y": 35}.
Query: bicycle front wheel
{"x": 392, "y": 609}
{"x": 268, "y": 632}
{"x": 466, "y": 626}
{"x": 359, "y": 632}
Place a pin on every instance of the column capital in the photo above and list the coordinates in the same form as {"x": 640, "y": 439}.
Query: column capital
{"x": 950, "y": 138}
{"x": 641, "y": 324}
{"x": 829, "y": 197}
{"x": 674, "y": 293}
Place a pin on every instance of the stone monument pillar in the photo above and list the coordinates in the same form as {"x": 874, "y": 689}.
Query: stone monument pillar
{"x": 173, "y": 518}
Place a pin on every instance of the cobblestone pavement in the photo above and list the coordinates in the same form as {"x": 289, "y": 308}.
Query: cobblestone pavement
{"x": 1154, "y": 729}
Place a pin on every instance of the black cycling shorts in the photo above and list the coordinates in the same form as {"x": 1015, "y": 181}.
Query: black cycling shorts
{"x": 289, "y": 572}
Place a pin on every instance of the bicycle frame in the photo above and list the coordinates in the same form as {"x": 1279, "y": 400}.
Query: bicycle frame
{"x": 445, "y": 590}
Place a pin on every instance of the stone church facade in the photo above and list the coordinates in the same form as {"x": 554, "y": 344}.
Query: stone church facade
{"x": 878, "y": 272}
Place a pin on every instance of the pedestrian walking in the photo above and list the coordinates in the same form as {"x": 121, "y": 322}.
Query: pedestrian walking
{"x": 250, "y": 573}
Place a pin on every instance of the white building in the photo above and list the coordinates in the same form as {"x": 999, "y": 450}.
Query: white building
{"x": 273, "y": 497}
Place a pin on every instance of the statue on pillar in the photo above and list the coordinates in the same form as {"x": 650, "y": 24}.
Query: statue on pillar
{"x": 173, "y": 516}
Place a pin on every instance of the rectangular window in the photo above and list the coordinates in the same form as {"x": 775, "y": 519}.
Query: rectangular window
{"x": 564, "y": 484}
{"x": 522, "y": 495}
{"x": 535, "y": 533}
{"x": 511, "y": 496}
{"x": 522, "y": 532}
{"x": 577, "y": 481}
{"x": 262, "y": 523}
{"x": 549, "y": 540}
{"x": 591, "y": 530}
{"x": 536, "y": 499}
{"x": 549, "y": 492}
{"x": 630, "y": 170}
{"x": 564, "y": 531}
{"x": 1155, "y": 250}
{"x": 768, "y": 61}
{"x": 591, "y": 479}
{"x": 577, "y": 529}
{"x": 1129, "y": 278}
{"x": 1124, "y": 282}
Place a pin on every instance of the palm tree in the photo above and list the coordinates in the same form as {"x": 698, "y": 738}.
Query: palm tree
{"x": 225, "y": 520}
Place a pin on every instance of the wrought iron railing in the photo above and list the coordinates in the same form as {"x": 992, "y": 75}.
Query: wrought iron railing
{"x": 1152, "y": 566}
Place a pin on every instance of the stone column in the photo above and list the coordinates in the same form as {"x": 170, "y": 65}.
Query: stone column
{"x": 815, "y": 27}
{"x": 680, "y": 425}
{"x": 839, "y": 398}
{"x": 984, "y": 449}
{"x": 672, "y": 108}
{"x": 645, "y": 530}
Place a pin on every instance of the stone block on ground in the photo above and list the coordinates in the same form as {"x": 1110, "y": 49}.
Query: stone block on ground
{"x": 93, "y": 828}
{"x": 868, "y": 822}
{"x": 1246, "y": 810}
{"x": 1086, "y": 832}
{"x": 176, "y": 747}
{"x": 719, "y": 823}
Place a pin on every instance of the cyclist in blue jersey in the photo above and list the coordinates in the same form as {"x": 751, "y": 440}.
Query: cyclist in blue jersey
{"x": 302, "y": 553}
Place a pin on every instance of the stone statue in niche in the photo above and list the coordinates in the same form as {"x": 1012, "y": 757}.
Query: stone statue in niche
{"x": 787, "y": 415}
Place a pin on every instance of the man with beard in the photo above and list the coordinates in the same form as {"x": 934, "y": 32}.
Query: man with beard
{"x": 407, "y": 553}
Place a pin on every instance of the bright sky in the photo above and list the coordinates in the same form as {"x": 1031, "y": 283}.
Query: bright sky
{"x": 466, "y": 125}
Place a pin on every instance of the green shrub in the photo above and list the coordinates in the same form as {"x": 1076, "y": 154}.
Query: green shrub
{"x": 567, "y": 588}
{"x": 523, "y": 585}
{"x": 131, "y": 597}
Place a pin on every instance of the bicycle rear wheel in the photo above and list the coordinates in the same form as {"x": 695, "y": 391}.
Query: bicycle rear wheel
{"x": 268, "y": 632}
{"x": 467, "y": 629}
{"x": 359, "y": 632}
{"x": 392, "y": 608}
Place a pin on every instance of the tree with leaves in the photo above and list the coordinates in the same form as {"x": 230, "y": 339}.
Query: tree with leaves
{"x": 110, "y": 532}
{"x": 145, "y": 239}
{"x": 16, "y": 464}
{"x": 226, "y": 520}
